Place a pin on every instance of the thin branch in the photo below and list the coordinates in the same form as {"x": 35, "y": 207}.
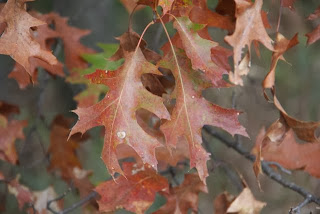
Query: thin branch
{"x": 298, "y": 208}
{"x": 266, "y": 168}
{"x": 83, "y": 201}
{"x": 279, "y": 167}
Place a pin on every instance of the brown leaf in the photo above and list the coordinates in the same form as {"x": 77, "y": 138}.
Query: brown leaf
{"x": 288, "y": 3}
{"x": 11, "y": 131}
{"x": 245, "y": 203}
{"x": 184, "y": 197}
{"x": 17, "y": 40}
{"x": 249, "y": 27}
{"x": 281, "y": 46}
{"x": 280, "y": 146}
{"x": 187, "y": 120}
{"x": 128, "y": 43}
{"x": 135, "y": 192}
{"x": 130, "y": 5}
{"x": 62, "y": 151}
{"x": 204, "y": 15}
{"x": 222, "y": 202}
{"x": 304, "y": 130}
{"x": 166, "y": 5}
{"x": 314, "y": 35}
{"x": 117, "y": 111}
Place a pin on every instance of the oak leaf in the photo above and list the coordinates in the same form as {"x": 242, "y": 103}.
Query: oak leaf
{"x": 279, "y": 145}
{"x": 198, "y": 49}
{"x": 63, "y": 155}
{"x": 17, "y": 40}
{"x": 314, "y": 35}
{"x": 184, "y": 197}
{"x": 135, "y": 192}
{"x": 249, "y": 27}
{"x": 117, "y": 111}
{"x": 281, "y": 46}
{"x": 187, "y": 121}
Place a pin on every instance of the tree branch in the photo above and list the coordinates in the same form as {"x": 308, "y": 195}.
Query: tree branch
{"x": 268, "y": 171}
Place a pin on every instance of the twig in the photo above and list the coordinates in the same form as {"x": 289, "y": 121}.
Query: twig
{"x": 279, "y": 167}
{"x": 297, "y": 209}
{"x": 83, "y": 201}
{"x": 266, "y": 168}
{"x": 57, "y": 199}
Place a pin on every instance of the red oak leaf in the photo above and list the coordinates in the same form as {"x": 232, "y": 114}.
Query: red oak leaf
{"x": 249, "y": 27}
{"x": 62, "y": 152}
{"x": 199, "y": 50}
{"x": 135, "y": 192}
{"x": 117, "y": 111}
{"x": 183, "y": 197}
{"x": 187, "y": 121}
{"x": 16, "y": 40}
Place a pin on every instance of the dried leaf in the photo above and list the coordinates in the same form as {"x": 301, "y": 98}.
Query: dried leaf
{"x": 135, "y": 192}
{"x": 249, "y": 27}
{"x": 280, "y": 146}
{"x": 304, "y": 130}
{"x": 245, "y": 203}
{"x": 222, "y": 202}
{"x": 11, "y": 131}
{"x": 281, "y": 46}
{"x": 184, "y": 197}
{"x": 17, "y": 40}
{"x": 62, "y": 152}
{"x": 166, "y": 5}
{"x": 41, "y": 199}
{"x": 116, "y": 112}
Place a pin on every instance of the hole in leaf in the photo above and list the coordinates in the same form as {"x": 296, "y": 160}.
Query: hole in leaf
{"x": 150, "y": 123}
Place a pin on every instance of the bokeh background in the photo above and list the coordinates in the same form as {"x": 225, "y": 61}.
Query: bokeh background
{"x": 297, "y": 82}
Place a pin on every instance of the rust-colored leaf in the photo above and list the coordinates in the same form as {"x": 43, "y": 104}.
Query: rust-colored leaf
{"x": 187, "y": 120}
{"x": 203, "y": 15}
{"x": 117, "y": 111}
{"x": 198, "y": 49}
{"x": 17, "y": 40}
{"x": 249, "y": 27}
{"x": 135, "y": 192}
{"x": 304, "y": 130}
{"x": 314, "y": 35}
{"x": 279, "y": 145}
{"x": 62, "y": 152}
{"x": 184, "y": 197}
{"x": 9, "y": 132}
{"x": 222, "y": 202}
{"x": 281, "y": 46}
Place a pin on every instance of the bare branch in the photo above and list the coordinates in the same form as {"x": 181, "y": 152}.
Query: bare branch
{"x": 279, "y": 167}
{"x": 267, "y": 170}
{"x": 298, "y": 208}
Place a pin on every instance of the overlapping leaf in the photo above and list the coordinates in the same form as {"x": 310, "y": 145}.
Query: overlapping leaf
{"x": 17, "y": 40}
{"x": 184, "y": 197}
{"x": 62, "y": 152}
{"x": 187, "y": 120}
{"x": 199, "y": 49}
{"x": 117, "y": 111}
{"x": 135, "y": 192}
{"x": 249, "y": 27}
